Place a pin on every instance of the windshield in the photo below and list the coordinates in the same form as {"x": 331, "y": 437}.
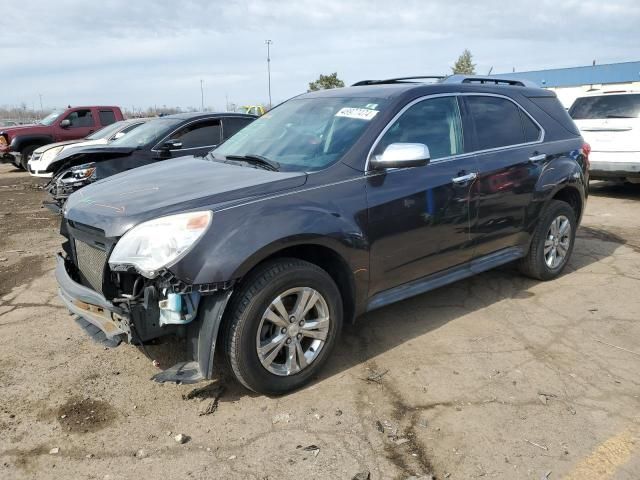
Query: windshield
{"x": 606, "y": 106}
{"x": 49, "y": 119}
{"x": 106, "y": 132}
{"x": 305, "y": 134}
{"x": 150, "y": 132}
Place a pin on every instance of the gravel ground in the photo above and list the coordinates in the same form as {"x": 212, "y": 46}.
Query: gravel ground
{"x": 497, "y": 376}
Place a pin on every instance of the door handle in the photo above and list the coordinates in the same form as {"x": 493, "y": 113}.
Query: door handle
{"x": 538, "y": 158}
{"x": 464, "y": 178}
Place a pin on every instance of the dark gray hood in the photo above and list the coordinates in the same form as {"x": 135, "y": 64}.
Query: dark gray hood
{"x": 117, "y": 203}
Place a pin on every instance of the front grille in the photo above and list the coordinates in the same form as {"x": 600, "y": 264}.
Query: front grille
{"x": 91, "y": 262}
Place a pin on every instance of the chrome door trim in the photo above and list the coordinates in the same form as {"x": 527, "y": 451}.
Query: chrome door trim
{"x": 465, "y": 154}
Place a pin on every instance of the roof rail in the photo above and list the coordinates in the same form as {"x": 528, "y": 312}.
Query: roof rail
{"x": 490, "y": 80}
{"x": 398, "y": 80}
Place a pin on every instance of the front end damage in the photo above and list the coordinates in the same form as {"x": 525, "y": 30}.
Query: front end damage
{"x": 65, "y": 183}
{"x": 127, "y": 306}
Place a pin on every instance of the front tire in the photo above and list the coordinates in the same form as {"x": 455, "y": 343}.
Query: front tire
{"x": 552, "y": 242}
{"x": 282, "y": 326}
{"x": 25, "y": 155}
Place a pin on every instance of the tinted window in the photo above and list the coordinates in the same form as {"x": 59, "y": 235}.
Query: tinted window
{"x": 553, "y": 108}
{"x": 434, "y": 122}
{"x": 606, "y": 106}
{"x": 531, "y": 130}
{"x": 80, "y": 118}
{"x": 199, "y": 134}
{"x": 107, "y": 117}
{"x": 232, "y": 125}
{"x": 497, "y": 122}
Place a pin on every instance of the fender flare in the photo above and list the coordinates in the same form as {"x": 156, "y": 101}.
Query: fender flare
{"x": 19, "y": 142}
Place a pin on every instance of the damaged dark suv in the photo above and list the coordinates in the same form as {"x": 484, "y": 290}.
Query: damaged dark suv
{"x": 333, "y": 204}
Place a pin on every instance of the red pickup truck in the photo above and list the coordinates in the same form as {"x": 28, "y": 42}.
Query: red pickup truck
{"x": 18, "y": 143}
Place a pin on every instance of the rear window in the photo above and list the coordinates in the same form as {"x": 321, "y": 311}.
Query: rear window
{"x": 606, "y": 106}
{"x": 107, "y": 117}
{"x": 553, "y": 108}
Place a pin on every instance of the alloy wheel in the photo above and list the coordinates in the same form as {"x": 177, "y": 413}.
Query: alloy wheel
{"x": 557, "y": 242}
{"x": 293, "y": 330}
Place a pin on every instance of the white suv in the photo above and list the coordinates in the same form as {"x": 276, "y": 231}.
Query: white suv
{"x": 610, "y": 123}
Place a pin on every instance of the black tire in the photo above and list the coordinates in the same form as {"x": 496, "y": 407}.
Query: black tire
{"x": 25, "y": 155}
{"x": 534, "y": 264}
{"x": 244, "y": 317}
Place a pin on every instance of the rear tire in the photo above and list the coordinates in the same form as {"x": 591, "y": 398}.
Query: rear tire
{"x": 25, "y": 155}
{"x": 552, "y": 242}
{"x": 282, "y": 326}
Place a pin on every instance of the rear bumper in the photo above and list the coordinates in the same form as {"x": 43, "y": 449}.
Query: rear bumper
{"x": 614, "y": 164}
{"x": 89, "y": 304}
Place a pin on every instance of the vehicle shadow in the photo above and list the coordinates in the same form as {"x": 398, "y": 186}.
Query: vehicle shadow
{"x": 622, "y": 191}
{"x": 397, "y": 325}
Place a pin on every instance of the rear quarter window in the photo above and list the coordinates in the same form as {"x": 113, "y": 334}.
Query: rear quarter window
{"x": 552, "y": 107}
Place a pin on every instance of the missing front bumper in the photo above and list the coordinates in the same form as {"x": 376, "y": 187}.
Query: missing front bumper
{"x": 115, "y": 322}
{"x": 90, "y": 305}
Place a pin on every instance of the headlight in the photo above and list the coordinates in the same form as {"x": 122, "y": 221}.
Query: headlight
{"x": 158, "y": 243}
{"x": 82, "y": 172}
{"x": 50, "y": 154}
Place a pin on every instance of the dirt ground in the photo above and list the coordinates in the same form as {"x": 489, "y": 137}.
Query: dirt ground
{"x": 497, "y": 376}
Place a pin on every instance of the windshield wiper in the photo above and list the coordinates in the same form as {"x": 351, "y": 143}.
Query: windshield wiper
{"x": 257, "y": 160}
{"x": 620, "y": 116}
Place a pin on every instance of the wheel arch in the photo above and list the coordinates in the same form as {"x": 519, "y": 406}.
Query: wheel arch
{"x": 321, "y": 255}
{"x": 20, "y": 142}
{"x": 571, "y": 195}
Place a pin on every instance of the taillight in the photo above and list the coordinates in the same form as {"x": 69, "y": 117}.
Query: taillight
{"x": 586, "y": 150}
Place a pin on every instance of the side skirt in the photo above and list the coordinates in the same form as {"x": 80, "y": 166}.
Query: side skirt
{"x": 445, "y": 277}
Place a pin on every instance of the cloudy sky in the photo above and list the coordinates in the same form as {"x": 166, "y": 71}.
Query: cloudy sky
{"x": 154, "y": 52}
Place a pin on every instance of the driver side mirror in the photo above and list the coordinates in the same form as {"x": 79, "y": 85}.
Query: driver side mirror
{"x": 66, "y": 123}
{"x": 171, "y": 145}
{"x": 401, "y": 155}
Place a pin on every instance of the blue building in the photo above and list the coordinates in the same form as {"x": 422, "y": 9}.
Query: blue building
{"x": 569, "y": 83}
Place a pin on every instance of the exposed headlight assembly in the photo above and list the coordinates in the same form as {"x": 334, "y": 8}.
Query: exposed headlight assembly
{"x": 159, "y": 243}
{"x": 49, "y": 155}
{"x": 81, "y": 172}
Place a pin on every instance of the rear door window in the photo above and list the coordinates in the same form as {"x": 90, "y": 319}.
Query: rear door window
{"x": 232, "y": 125}
{"x": 497, "y": 122}
{"x": 205, "y": 133}
{"x": 107, "y": 117}
{"x": 606, "y": 106}
{"x": 434, "y": 122}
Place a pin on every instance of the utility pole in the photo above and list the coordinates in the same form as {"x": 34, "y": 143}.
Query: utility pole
{"x": 268, "y": 43}
{"x": 201, "y": 95}
{"x": 40, "y": 95}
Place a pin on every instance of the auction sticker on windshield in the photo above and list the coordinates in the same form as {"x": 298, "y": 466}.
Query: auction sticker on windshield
{"x": 357, "y": 113}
